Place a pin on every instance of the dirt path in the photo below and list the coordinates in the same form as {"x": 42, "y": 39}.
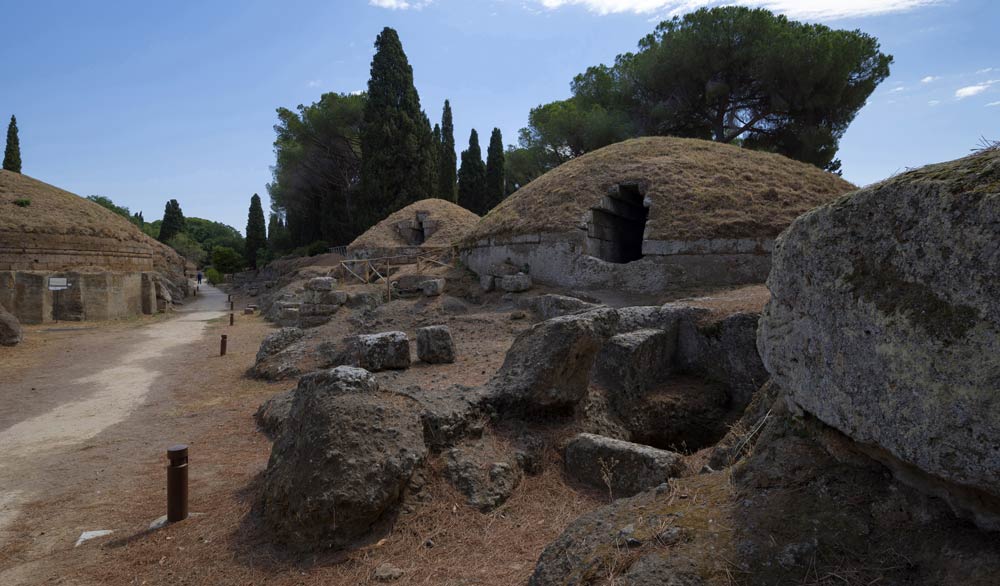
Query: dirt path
{"x": 76, "y": 384}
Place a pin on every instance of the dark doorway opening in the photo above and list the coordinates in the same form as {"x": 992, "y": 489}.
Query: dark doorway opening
{"x": 616, "y": 227}
{"x": 415, "y": 232}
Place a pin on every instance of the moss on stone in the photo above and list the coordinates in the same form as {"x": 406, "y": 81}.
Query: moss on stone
{"x": 893, "y": 295}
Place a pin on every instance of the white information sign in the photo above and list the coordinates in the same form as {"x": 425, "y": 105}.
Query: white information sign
{"x": 58, "y": 283}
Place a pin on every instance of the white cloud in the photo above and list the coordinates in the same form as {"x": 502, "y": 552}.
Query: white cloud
{"x": 987, "y": 70}
{"x": 929, "y": 79}
{"x": 357, "y": 92}
{"x": 933, "y": 102}
{"x": 811, "y": 9}
{"x": 992, "y": 104}
{"x": 400, "y": 4}
{"x": 897, "y": 89}
{"x": 314, "y": 83}
{"x": 974, "y": 90}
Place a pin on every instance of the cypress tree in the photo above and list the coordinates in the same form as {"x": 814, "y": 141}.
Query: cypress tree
{"x": 12, "y": 154}
{"x": 173, "y": 221}
{"x": 272, "y": 231}
{"x": 472, "y": 177}
{"x": 447, "y": 158}
{"x": 256, "y": 231}
{"x": 398, "y": 163}
{"x": 495, "y": 180}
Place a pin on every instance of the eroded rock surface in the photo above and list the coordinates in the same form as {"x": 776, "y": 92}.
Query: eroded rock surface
{"x": 549, "y": 365}
{"x": 277, "y": 358}
{"x": 342, "y": 461}
{"x": 621, "y": 467}
{"x": 435, "y": 345}
{"x": 884, "y": 320}
{"x": 10, "y": 329}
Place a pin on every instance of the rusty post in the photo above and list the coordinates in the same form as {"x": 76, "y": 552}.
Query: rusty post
{"x": 232, "y": 305}
{"x": 177, "y": 483}
{"x": 230, "y": 319}
{"x": 222, "y": 346}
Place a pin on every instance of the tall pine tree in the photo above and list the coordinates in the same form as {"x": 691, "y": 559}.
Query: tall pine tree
{"x": 256, "y": 230}
{"x": 398, "y": 164}
{"x": 447, "y": 159}
{"x": 472, "y": 177}
{"x": 12, "y": 154}
{"x": 173, "y": 221}
{"x": 496, "y": 182}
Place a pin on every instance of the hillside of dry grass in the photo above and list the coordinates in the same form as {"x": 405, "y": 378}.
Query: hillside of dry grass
{"x": 699, "y": 189}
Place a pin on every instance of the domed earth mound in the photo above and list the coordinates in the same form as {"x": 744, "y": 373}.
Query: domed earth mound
{"x": 63, "y": 257}
{"x": 43, "y": 227}
{"x": 428, "y": 223}
{"x": 707, "y": 212}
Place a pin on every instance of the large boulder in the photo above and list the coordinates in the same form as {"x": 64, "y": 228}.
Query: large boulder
{"x": 341, "y": 463}
{"x": 482, "y": 473}
{"x": 635, "y": 540}
{"x": 375, "y": 352}
{"x": 550, "y": 305}
{"x": 435, "y": 345}
{"x": 884, "y": 320}
{"x": 620, "y": 467}
{"x": 10, "y": 329}
{"x": 279, "y": 355}
{"x": 548, "y": 366}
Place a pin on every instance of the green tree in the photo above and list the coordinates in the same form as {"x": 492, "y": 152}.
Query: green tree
{"x": 495, "y": 172}
{"x": 523, "y": 165}
{"x": 562, "y": 130}
{"x": 472, "y": 177}
{"x": 173, "y": 221}
{"x": 226, "y": 260}
{"x": 209, "y": 234}
{"x": 188, "y": 248}
{"x": 12, "y": 154}
{"x": 256, "y": 231}
{"x": 316, "y": 175}
{"x": 735, "y": 74}
{"x": 278, "y": 240}
{"x": 398, "y": 164}
{"x": 448, "y": 163}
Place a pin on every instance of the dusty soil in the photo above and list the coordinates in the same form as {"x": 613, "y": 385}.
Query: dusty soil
{"x": 112, "y": 476}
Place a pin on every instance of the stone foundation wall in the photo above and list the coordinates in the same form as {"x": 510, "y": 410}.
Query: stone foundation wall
{"x": 561, "y": 259}
{"x": 91, "y": 296}
{"x": 59, "y": 252}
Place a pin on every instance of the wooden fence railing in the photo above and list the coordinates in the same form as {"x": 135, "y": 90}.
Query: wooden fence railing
{"x": 375, "y": 270}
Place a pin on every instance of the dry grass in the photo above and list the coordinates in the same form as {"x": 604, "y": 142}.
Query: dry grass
{"x": 54, "y": 212}
{"x": 454, "y": 222}
{"x": 699, "y": 189}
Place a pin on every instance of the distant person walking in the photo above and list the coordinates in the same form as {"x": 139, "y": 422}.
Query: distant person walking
{"x": 199, "y": 277}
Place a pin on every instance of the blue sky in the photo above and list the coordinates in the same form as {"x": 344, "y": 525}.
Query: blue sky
{"x": 143, "y": 102}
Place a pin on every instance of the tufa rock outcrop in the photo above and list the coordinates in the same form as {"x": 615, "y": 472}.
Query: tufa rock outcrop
{"x": 342, "y": 461}
{"x": 884, "y": 322}
{"x": 10, "y": 329}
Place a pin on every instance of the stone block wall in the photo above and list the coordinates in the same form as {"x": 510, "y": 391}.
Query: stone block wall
{"x": 563, "y": 260}
{"x": 91, "y": 296}
{"x": 20, "y": 251}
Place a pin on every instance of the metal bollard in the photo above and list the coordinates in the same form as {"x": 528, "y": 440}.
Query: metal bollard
{"x": 222, "y": 346}
{"x": 230, "y": 319}
{"x": 177, "y": 483}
